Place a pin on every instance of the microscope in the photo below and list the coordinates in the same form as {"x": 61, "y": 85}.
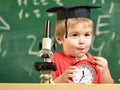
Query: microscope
{"x": 46, "y": 66}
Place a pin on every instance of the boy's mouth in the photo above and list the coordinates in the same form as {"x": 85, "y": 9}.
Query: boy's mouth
{"x": 81, "y": 49}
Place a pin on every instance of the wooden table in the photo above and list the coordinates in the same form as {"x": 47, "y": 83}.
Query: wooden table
{"x": 62, "y": 86}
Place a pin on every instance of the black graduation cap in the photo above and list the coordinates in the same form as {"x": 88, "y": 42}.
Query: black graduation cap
{"x": 64, "y": 12}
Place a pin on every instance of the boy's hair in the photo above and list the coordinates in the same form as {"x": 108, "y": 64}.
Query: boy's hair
{"x": 60, "y": 28}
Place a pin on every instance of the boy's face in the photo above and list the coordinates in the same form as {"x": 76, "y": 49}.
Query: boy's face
{"x": 78, "y": 40}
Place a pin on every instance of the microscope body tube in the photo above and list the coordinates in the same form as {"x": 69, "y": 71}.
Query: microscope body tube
{"x": 47, "y": 28}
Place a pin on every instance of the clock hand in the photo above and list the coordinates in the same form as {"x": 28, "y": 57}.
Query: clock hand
{"x": 83, "y": 75}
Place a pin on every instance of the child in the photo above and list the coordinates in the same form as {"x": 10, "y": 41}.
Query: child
{"x": 74, "y": 32}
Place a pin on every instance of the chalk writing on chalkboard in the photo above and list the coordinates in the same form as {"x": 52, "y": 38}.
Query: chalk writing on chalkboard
{"x": 36, "y": 11}
{"x": 5, "y": 25}
{"x": 30, "y": 51}
{"x": 2, "y": 51}
{"x": 100, "y": 24}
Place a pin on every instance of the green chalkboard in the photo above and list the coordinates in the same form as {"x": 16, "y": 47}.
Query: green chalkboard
{"x": 22, "y": 28}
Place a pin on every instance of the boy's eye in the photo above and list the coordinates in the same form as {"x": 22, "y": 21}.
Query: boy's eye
{"x": 87, "y": 34}
{"x": 75, "y": 35}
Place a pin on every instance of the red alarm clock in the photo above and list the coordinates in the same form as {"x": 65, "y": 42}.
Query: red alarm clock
{"x": 86, "y": 72}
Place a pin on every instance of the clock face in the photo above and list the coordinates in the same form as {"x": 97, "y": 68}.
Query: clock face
{"x": 84, "y": 74}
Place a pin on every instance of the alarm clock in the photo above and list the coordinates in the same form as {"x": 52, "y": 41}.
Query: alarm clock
{"x": 86, "y": 72}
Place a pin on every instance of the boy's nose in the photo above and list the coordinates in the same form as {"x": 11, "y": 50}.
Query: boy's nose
{"x": 81, "y": 40}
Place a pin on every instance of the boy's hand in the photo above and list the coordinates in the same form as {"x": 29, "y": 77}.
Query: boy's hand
{"x": 67, "y": 75}
{"x": 102, "y": 65}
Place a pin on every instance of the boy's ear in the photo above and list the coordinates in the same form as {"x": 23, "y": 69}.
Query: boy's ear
{"x": 59, "y": 40}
